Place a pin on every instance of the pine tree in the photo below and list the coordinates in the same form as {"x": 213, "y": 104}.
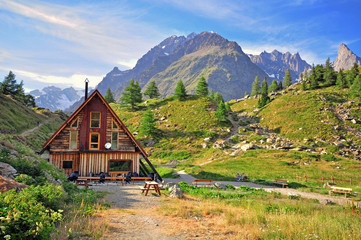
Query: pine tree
{"x": 287, "y": 81}
{"x": 301, "y": 76}
{"x": 313, "y": 79}
{"x": 202, "y": 87}
{"x": 109, "y": 97}
{"x": 264, "y": 99}
{"x": 351, "y": 74}
{"x": 132, "y": 94}
{"x": 218, "y": 97}
{"x": 255, "y": 87}
{"x": 221, "y": 113}
{"x": 355, "y": 90}
{"x": 274, "y": 86}
{"x": 341, "y": 80}
{"x": 280, "y": 86}
{"x": 152, "y": 90}
{"x": 211, "y": 95}
{"x": 9, "y": 86}
{"x": 305, "y": 75}
{"x": 329, "y": 75}
{"x": 29, "y": 100}
{"x": 304, "y": 85}
{"x": 148, "y": 124}
{"x": 227, "y": 107}
{"x": 180, "y": 91}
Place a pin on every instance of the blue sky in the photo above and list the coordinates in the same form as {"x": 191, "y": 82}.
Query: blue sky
{"x": 63, "y": 42}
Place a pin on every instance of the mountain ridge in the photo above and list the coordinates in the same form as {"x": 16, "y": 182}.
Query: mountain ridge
{"x": 345, "y": 58}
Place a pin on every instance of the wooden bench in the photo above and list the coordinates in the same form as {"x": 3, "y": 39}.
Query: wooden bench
{"x": 340, "y": 190}
{"x": 115, "y": 179}
{"x": 92, "y": 179}
{"x": 282, "y": 182}
{"x": 141, "y": 179}
{"x": 202, "y": 182}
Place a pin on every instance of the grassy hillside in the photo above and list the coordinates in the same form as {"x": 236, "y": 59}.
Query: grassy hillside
{"x": 295, "y": 116}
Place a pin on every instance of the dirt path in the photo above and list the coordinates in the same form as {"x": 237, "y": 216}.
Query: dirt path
{"x": 26, "y": 132}
{"x": 134, "y": 216}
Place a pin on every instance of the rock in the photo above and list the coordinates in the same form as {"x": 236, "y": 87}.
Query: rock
{"x": 207, "y": 140}
{"x": 7, "y": 144}
{"x": 7, "y": 184}
{"x": 204, "y": 145}
{"x": 247, "y": 147}
{"x": 167, "y": 125}
{"x": 7, "y": 170}
{"x": 220, "y": 143}
{"x": 220, "y": 185}
{"x": 262, "y": 141}
{"x": 170, "y": 185}
{"x": 135, "y": 133}
{"x": 270, "y": 140}
{"x": 176, "y": 192}
{"x": 328, "y": 184}
{"x": 163, "y": 118}
{"x": 337, "y": 127}
{"x": 353, "y": 121}
{"x": 323, "y": 152}
{"x": 228, "y": 130}
{"x": 149, "y": 143}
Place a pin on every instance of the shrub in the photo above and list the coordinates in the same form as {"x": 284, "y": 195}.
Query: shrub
{"x": 25, "y": 215}
{"x": 329, "y": 157}
{"x": 230, "y": 186}
{"x": 23, "y": 178}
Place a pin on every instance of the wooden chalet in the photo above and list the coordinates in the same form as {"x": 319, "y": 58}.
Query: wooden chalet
{"x": 94, "y": 139}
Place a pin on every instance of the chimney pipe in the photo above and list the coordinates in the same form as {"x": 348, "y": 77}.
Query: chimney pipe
{"x": 86, "y": 89}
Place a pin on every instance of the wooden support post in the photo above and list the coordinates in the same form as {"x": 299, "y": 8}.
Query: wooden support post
{"x": 144, "y": 167}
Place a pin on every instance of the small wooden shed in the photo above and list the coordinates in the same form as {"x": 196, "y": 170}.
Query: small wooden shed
{"x": 94, "y": 139}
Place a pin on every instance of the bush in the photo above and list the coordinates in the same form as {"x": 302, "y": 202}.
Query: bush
{"x": 230, "y": 186}
{"x": 26, "y": 214}
{"x": 329, "y": 157}
{"x": 23, "y": 178}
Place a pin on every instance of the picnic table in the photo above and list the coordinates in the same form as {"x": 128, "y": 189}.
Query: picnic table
{"x": 154, "y": 186}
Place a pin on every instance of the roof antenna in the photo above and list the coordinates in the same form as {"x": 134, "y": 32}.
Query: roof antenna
{"x": 86, "y": 89}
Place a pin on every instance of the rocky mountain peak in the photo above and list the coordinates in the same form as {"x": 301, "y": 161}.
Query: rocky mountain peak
{"x": 345, "y": 58}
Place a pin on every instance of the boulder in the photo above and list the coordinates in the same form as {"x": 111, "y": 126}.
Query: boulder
{"x": 176, "y": 192}
{"x": 149, "y": 143}
{"x": 220, "y": 185}
{"x": 170, "y": 185}
{"x": 7, "y": 184}
{"x": 7, "y": 170}
{"x": 354, "y": 121}
{"x": 247, "y": 147}
{"x": 220, "y": 143}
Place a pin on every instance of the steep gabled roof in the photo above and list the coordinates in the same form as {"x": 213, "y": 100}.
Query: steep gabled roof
{"x": 70, "y": 119}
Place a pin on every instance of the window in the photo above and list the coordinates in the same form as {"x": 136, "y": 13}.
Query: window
{"x": 115, "y": 126}
{"x": 120, "y": 165}
{"x": 74, "y": 124}
{"x": 95, "y": 119}
{"x": 114, "y": 140}
{"x": 94, "y": 141}
{"x": 67, "y": 164}
{"x": 73, "y": 135}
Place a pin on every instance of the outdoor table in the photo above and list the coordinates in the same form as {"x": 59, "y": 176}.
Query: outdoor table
{"x": 151, "y": 186}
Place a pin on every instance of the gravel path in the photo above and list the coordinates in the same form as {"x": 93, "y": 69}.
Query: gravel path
{"x": 184, "y": 177}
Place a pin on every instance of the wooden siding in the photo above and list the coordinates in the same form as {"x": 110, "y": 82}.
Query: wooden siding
{"x": 99, "y": 162}
{"x": 58, "y": 159}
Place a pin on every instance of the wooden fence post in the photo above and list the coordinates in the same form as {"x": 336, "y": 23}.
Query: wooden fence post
{"x": 323, "y": 180}
{"x": 351, "y": 181}
{"x": 333, "y": 180}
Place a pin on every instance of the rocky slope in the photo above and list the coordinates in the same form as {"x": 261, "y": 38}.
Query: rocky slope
{"x": 345, "y": 58}
{"x": 275, "y": 64}
{"x": 223, "y": 63}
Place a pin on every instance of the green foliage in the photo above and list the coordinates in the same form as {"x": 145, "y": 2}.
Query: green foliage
{"x": 255, "y": 87}
{"x": 264, "y": 99}
{"x": 227, "y": 107}
{"x": 221, "y": 113}
{"x": 169, "y": 155}
{"x": 330, "y": 75}
{"x": 202, "y": 87}
{"x": 341, "y": 80}
{"x": 180, "y": 91}
{"x": 10, "y": 87}
{"x": 166, "y": 172}
{"x": 152, "y": 90}
{"x": 109, "y": 97}
{"x": 329, "y": 157}
{"x": 132, "y": 95}
{"x": 287, "y": 81}
{"x": 211, "y": 95}
{"x": 218, "y": 98}
{"x": 313, "y": 79}
{"x": 351, "y": 75}
{"x": 304, "y": 85}
{"x": 23, "y": 178}
{"x": 355, "y": 90}
{"x": 148, "y": 124}
{"x": 274, "y": 86}
{"x": 28, "y": 214}
{"x": 229, "y": 193}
